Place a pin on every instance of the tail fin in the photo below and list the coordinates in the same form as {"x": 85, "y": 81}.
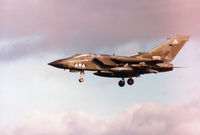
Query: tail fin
{"x": 169, "y": 49}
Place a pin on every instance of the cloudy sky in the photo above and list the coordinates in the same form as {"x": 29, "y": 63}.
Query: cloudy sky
{"x": 37, "y": 99}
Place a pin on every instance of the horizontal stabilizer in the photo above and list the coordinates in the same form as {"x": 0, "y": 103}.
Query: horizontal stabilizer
{"x": 179, "y": 67}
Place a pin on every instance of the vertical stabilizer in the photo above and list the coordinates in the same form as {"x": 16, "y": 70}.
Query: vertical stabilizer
{"x": 169, "y": 49}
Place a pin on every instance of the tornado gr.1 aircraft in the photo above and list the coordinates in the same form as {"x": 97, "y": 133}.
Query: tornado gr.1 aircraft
{"x": 154, "y": 61}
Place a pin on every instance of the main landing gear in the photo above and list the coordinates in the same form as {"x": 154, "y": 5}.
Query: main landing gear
{"x": 81, "y": 76}
{"x": 121, "y": 83}
{"x": 130, "y": 81}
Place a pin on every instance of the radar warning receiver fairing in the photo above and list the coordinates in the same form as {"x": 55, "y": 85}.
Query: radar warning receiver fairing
{"x": 154, "y": 61}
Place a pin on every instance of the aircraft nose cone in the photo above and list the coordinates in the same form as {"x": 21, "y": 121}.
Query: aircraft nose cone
{"x": 57, "y": 63}
{"x": 51, "y": 63}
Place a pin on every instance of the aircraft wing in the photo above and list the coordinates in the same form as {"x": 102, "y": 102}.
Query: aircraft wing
{"x": 135, "y": 62}
{"x": 104, "y": 62}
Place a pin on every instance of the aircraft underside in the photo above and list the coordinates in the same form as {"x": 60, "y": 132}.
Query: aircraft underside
{"x": 125, "y": 74}
{"x": 121, "y": 83}
{"x": 115, "y": 75}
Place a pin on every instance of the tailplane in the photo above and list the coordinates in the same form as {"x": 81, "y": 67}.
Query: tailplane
{"x": 169, "y": 49}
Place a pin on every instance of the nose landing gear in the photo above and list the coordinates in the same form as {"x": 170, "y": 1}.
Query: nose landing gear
{"x": 81, "y": 80}
{"x": 81, "y": 76}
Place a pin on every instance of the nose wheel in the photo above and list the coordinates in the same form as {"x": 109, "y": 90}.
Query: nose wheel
{"x": 81, "y": 80}
{"x": 81, "y": 76}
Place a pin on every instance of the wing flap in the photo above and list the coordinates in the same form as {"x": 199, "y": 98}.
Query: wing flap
{"x": 136, "y": 60}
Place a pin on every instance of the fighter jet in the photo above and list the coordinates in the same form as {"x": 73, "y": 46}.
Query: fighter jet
{"x": 156, "y": 60}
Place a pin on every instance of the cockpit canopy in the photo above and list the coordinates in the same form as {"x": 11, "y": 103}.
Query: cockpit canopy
{"x": 80, "y": 55}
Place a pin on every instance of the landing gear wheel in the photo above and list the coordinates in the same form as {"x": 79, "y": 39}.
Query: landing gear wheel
{"x": 81, "y": 80}
{"x": 121, "y": 83}
{"x": 130, "y": 81}
{"x": 82, "y": 73}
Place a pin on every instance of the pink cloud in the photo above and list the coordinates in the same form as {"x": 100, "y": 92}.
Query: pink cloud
{"x": 55, "y": 123}
{"x": 155, "y": 118}
{"x": 140, "y": 119}
{"x": 79, "y": 25}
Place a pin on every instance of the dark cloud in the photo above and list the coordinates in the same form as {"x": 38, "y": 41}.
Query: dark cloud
{"x": 89, "y": 25}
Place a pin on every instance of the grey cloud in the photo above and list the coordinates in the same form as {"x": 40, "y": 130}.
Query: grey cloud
{"x": 16, "y": 48}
